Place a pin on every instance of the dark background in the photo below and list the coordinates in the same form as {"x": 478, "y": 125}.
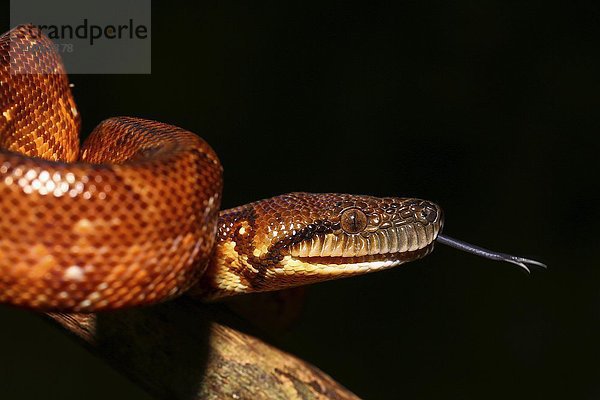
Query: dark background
{"x": 488, "y": 108}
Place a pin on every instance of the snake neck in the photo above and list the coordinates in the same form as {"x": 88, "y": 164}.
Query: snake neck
{"x": 240, "y": 263}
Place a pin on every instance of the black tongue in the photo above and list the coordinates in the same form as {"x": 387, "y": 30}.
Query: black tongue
{"x": 485, "y": 253}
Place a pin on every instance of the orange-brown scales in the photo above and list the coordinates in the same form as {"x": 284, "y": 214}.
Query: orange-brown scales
{"x": 128, "y": 219}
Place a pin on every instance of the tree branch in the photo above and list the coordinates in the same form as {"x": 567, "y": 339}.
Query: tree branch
{"x": 183, "y": 350}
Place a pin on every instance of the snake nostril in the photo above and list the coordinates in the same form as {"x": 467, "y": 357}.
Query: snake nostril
{"x": 429, "y": 214}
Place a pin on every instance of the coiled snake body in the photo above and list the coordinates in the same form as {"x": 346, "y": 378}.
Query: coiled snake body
{"x": 133, "y": 217}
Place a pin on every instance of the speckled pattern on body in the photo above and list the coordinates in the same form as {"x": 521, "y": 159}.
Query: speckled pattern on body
{"x": 133, "y": 217}
{"x": 127, "y": 220}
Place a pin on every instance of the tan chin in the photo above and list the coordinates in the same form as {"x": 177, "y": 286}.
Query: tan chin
{"x": 336, "y": 266}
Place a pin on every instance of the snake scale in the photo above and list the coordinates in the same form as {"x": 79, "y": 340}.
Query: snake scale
{"x": 132, "y": 216}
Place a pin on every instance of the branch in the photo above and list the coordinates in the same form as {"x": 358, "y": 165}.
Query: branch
{"x": 178, "y": 350}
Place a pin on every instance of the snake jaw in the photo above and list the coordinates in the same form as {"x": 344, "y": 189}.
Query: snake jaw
{"x": 295, "y": 271}
{"x": 325, "y": 256}
{"x": 353, "y": 265}
{"x": 402, "y": 238}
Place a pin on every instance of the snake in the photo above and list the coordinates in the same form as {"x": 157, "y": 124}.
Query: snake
{"x": 132, "y": 216}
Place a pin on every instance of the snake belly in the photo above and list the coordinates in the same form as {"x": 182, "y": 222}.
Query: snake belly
{"x": 132, "y": 217}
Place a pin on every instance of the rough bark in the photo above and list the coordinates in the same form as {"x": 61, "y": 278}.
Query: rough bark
{"x": 183, "y": 350}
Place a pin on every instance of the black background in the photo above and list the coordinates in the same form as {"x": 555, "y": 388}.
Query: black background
{"x": 488, "y": 108}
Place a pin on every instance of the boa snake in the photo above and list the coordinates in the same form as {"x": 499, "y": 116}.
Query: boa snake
{"x": 132, "y": 217}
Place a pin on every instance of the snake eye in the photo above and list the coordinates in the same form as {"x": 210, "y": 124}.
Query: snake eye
{"x": 353, "y": 220}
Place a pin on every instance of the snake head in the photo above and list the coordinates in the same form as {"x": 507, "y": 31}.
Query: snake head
{"x": 344, "y": 230}
{"x": 301, "y": 238}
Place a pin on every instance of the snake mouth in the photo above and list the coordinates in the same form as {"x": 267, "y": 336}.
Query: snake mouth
{"x": 338, "y": 254}
{"x": 390, "y": 243}
{"x": 358, "y": 263}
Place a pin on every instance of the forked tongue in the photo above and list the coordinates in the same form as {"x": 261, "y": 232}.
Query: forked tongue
{"x": 485, "y": 253}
